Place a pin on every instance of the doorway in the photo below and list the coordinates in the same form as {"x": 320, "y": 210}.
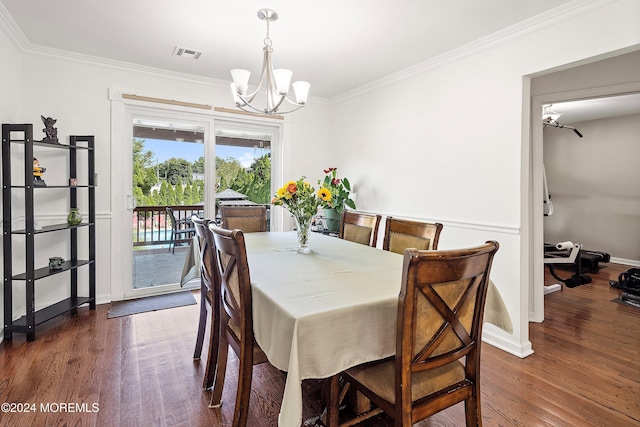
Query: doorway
{"x": 127, "y": 115}
{"x": 536, "y": 293}
{"x": 168, "y": 165}
{"x": 123, "y": 200}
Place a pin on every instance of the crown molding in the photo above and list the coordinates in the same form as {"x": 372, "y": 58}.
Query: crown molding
{"x": 513, "y": 32}
{"x": 11, "y": 29}
{"x": 17, "y": 37}
{"x": 546, "y": 19}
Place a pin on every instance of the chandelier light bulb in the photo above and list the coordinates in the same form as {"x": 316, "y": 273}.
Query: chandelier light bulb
{"x": 301, "y": 90}
{"x": 283, "y": 79}
{"x": 241, "y": 80}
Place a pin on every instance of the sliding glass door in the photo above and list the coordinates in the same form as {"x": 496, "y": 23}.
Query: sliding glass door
{"x": 168, "y": 186}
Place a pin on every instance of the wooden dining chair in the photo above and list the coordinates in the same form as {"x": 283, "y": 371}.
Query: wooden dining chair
{"x": 236, "y": 319}
{"x": 249, "y": 219}
{"x": 359, "y": 227}
{"x": 439, "y": 332}
{"x": 209, "y": 294}
{"x": 400, "y": 234}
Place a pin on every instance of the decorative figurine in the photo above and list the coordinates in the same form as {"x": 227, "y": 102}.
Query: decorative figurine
{"x": 55, "y": 263}
{"x": 37, "y": 174}
{"x": 50, "y": 132}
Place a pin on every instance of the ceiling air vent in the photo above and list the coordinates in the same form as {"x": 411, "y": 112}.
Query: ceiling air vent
{"x": 186, "y": 52}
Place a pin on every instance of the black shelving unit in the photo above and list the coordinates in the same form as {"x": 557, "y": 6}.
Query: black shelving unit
{"x": 22, "y": 134}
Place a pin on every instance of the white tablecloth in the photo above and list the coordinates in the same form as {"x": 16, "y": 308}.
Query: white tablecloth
{"x": 316, "y": 315}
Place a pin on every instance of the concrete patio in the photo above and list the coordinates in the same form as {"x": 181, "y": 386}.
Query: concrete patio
{"x": 154, "y": 267}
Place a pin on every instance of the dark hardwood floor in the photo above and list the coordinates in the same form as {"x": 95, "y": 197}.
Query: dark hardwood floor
{"x": 138, "y": 371}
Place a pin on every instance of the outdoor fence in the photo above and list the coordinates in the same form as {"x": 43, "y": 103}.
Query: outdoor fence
{"x": 152, "y": 224}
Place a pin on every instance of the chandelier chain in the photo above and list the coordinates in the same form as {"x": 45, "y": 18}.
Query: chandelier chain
{"x": 267, "y": 40}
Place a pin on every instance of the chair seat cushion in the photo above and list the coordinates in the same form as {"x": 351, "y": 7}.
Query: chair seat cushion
{"x": 380, "y": 378}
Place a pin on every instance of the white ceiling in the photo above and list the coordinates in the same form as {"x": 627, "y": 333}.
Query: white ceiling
{"x": 336, "y": 45}
{"x": 597, "y": 108}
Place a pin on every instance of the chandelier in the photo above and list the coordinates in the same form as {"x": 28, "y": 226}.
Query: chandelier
{"x": 276, "y": 81}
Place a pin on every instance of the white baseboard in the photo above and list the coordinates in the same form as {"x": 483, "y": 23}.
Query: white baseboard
{"x": 495, "y": 337}
{"x": 552, "y": 288}
{"x": 631, "y": 262}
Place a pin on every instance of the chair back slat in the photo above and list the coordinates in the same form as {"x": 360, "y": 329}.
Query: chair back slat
{"x": 207, "y": 257}
{"x": 401, "y": 234}
{"x": 249, "y": 219}
{"x": 441, "y": 305}
{"x": 359, "y": 227}
{"x": 235, "y": 282}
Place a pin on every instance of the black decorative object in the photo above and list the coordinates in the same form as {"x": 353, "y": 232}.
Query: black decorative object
{"x": 55, "y": 263}
{"x": 50, "y": 132}
{"x": 37, "y": 174}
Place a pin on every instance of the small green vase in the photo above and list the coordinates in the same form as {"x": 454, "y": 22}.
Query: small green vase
{"x": 74, "y": 217}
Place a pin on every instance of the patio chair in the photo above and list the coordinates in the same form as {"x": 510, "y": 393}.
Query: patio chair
{"x": 437, "y": 360}
{"x": 401, "y": 234}
{"x": 180, "y": 229}
{"x": 359, "y": 227}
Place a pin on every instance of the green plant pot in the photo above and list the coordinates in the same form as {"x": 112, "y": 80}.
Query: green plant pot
{"x": 332, "y": 220}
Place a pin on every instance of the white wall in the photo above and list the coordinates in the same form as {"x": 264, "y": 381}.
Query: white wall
{"x": 10, "y": 81}
{"x": 76, "y": 94}
{"x": 10, "y": 99}
{"x": 447, "y": 144}
{"x": 594, "y": 183}
{"x": 443, "y": 142}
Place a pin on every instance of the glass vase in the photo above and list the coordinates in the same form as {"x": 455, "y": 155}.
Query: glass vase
{"x": 74, "y": 217}
{"x": 303, "y": 230}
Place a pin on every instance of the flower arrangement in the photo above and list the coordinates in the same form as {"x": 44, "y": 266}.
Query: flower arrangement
{"x": 301, "y": 199}
{"x": 339, "y": 189}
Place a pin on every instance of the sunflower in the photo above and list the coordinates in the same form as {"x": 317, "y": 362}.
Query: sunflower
{"x": 324, "y": 194}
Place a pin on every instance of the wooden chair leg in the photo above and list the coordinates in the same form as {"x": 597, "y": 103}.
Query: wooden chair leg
{"x": 214, "y": 349}
{"x": 202, "y": 323}
{"x": 335, "y": 397}
{"x": 472, "y": 412}
{"x": 243, "y": 394}
{"x": 220, "y": 372}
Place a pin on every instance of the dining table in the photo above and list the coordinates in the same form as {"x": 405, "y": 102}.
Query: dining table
{"x": 316, "y": 315}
